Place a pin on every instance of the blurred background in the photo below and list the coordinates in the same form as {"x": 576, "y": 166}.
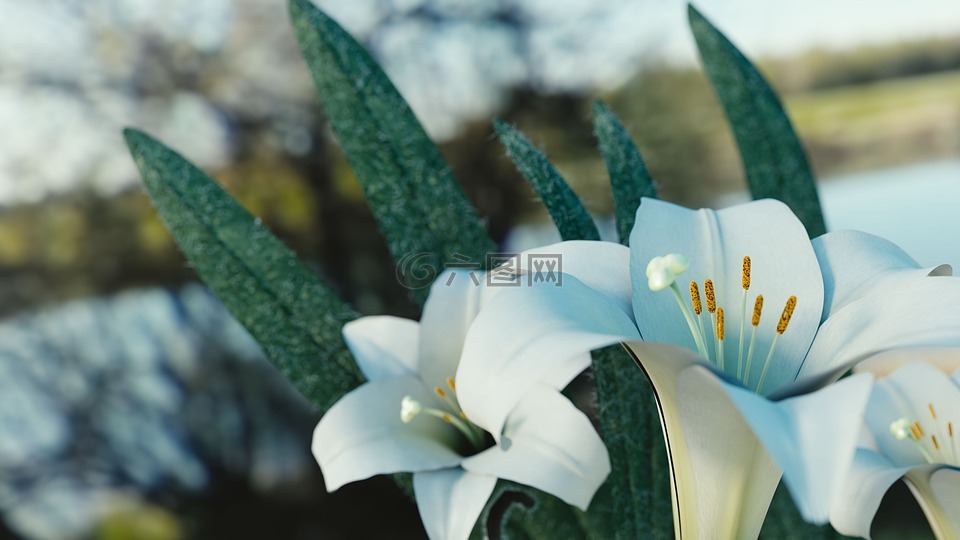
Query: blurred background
{"x": 134, "y": 407}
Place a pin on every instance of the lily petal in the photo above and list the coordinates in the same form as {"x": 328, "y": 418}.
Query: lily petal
{"x": 549, "y": 444}
{"x": 362, "y": 435}
{"x": 811, "y": 437}
{"x": 849, "y": 259}
{"x": 946, "y": 359}
{"x": 940, "y": 499}
{"x": 783, "y": 264}
{"x": 451, "y": 500}
{"x": 722, "y": 478}
{"x": 909, "y": 311}
{"x": 868, "y": 480}
{"x": 450, "y": 308}
{"x": 525, "y": 333}
{"x": 384, "y": 346}
{"x": 602, "y": 266}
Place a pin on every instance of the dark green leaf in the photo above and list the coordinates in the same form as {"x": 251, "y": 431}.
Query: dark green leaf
{"x": 773, "y": 158}
{"x": 294, "y": 317}
{"x": 517, "y": 512}
{"x": 636, "y": 498}
{"x": 420, "y": 206}
{"x": 629, "y": 178}
{"x": 564, "y": 206}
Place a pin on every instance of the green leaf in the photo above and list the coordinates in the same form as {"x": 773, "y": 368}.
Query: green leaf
{"x": 517, "y": 512}
{"x": 564, "y": 206}
{"x": 773, "y": 158}
{"x": 629, "y": 177}
{"x": 294, "y": 317}
{"x": 420, "y": 206}
{"x": 636, "y": 498}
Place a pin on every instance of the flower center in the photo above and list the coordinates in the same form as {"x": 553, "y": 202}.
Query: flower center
{"x": 662, "y": 273}
{"x": 451, "y": 413}
{"x": 934, "y": 438}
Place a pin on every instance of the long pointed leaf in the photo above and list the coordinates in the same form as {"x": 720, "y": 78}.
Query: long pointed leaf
{"x": 629, "y": 178}
{"x": 419, "y": 204}
{"x": 294, "y": 317}
{"x": 773, "y": 158}
{"x": 564, "y": 206}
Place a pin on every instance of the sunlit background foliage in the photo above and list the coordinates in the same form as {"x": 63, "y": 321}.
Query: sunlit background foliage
{"x": 150, "y": 414}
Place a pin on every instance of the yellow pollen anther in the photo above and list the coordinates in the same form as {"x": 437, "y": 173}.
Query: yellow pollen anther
{"x": 757, "y": 308}
{"x": 711, "y": 298}
{"x": 787, "y": 313}
{"x": 919, "y": 429}
{"x": 447, "y": 419}
{"x": 914, "y": 432}
{"x": 720, "y": 324}
{"x": 745, "y": 279}
{"x": 935, "y": 443}
{"x": 439, "y": 391}
{"x": 933, "y": 413}
{"x": 451, "y": 384}
{"x": 950, "y": 428}
{"x": 695, "y": 298}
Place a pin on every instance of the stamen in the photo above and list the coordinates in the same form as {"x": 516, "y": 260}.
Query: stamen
{"x": 934, "y": 439}
{"x": 787, "y": 313}
{"x": 933, "y": 413}
{"x": 950, "y": 428}
{"x": 745, "y": 282}
{"x": 720, "y": 338}
{"x": 720, "y": 324}
{"x": 695, "y": 298}
{"x": 914, "y": 431}
{"x": 745, "y": 276}
{"x": 463, "y": 415}
{"x": 711, "y": 298}
{"x": 440, "y": 392}
{"x": 919, "y": 429}
{"x": 451, "y": 384}
{"x": 411, "y": 408}
{"x": 781, "y": 328}
{"x": 757, "y": 307}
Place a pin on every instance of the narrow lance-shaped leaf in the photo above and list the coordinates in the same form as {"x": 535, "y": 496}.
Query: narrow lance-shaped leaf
{"x": 564, "y": 206}
{"x": 629, "y": 178}
{"x": 773, "y": 158}
{"x": 418, "y": 203}
{"x": 294, "y": 317}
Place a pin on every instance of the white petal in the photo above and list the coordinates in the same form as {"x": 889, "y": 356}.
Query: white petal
{"x": 452, "y": 306}
{"x": 909, "y": 311}
{"x": 602, "y": 266}
{"x": 530, "y": 335}
{"x": 362, "y": 435}
{"x": 946, "y": 359}
{"x": 943, "y": 501}
{"x": 548, "y": 444}
{"x": 868, "y": 480}
{"x": 723, "y": 479}
{"x": 849, "y": 259}
{"x": 451, "y": 500}
{"x": 715, "y": 242}
{"x": 384, "y": 346}
{"x": 811, "y": 437}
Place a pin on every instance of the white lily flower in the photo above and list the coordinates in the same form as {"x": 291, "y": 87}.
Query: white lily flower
{"x": 835, "y": 300}
{"x": 408, "y": 418}
{"x": 912, "y": 433}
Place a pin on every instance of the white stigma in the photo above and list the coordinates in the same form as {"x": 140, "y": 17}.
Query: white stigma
{"x": 409, "y": 408}
{"x": 662, "y": 271}
{"x": 900, "y": 428}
